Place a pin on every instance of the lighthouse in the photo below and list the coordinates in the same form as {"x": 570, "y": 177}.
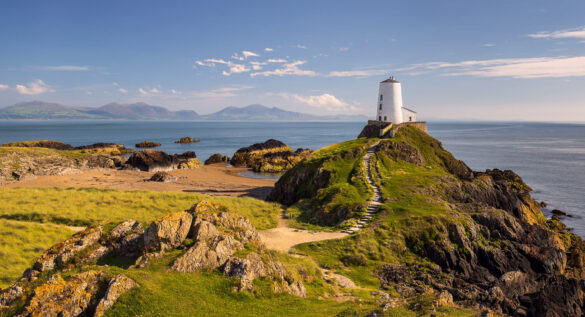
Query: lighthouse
{"x": 389, "y": 105}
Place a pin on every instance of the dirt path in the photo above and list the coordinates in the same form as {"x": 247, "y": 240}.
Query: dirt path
{"x": 283, "y": 238}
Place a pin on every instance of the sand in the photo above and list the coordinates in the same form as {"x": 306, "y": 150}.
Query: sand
{"x": 215, "y": 179}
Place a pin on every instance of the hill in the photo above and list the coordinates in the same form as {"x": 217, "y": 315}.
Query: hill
{"x": 39, "y": 110}
{"x": 475, "y": 237}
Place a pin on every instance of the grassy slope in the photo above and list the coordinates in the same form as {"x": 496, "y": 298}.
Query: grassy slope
{"x": 25, "y": 213}
{"x": 408, "y": 208}
{"x": 347, "y": 189}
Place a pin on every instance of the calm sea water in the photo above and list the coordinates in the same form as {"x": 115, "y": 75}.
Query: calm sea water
{"x": 550, "y": 157}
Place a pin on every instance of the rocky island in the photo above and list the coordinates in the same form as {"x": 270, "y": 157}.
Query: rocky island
{"x": 398, "y": 227}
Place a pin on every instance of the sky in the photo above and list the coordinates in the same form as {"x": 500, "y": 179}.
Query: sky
{"x": 456, "y": 60}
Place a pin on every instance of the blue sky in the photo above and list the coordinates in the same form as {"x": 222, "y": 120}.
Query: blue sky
{"x": 486, "y": 60}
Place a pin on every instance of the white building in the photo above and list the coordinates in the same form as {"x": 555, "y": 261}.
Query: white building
{"x": 389, "y": 106}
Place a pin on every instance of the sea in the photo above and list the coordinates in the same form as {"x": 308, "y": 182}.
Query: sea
{"x": 550, "y": 157}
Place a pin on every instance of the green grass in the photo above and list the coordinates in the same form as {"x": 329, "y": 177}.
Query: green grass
{"x": 209, "y": 293}
{"x": 33, "y": 219}
{"x": 89, "y": 206}
{"x": 22, "y": 242}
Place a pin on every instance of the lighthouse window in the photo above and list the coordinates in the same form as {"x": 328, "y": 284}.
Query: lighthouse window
{"x": 380, "y": 106}
{"x": 385, "y": 119}
{"x": 381, "y": 97}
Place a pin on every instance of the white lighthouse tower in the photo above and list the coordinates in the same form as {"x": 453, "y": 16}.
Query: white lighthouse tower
{"x": 390, "y": 101}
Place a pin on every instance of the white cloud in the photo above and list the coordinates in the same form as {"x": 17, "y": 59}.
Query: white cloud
{"x": 3, "y": 87}
{"x": 578, "y": 33}
{"x": 358, "y": 73}
{"x": 326, "y": 101}
{"x": 69, "y": 68}
{"x": 537, "y": 67}
{"x": 268, "y": 49}
{"x": 174, "y": 92}
{"x": 257, "y": 65}
{"x": 122, "y": 90}
{"x": 248, "y": 54}
{"x": 219, "y": 93}
{"x": 36, "y": 87}
{"x": 276, "y": 60}
{"x": 343, "y": 49}
{"x": 287, "y": 69}
{"x": 148, "y": 93}
{"x": 301, "y": 46}
{"x": 488, "y": 45}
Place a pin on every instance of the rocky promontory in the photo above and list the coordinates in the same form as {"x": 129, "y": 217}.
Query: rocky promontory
{"x": 68, "y": 279}
{"x": 474, "y": 239}
{"x": 271, "y": 156}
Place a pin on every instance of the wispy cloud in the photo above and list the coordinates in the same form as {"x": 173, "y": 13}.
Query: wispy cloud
{"x": 276, "y": 60}
{"x": 122, "y": 90}
{"x": 219, "y": 93}
{"x": 578, "y": 33}
{"x": 287, "y": 69}
{"x": 537, "y": 67}
{"x": 343, "y": 49}
{"x": 358, "y": 73}
{"x": 36, "y": 87}
{"x": 268, "y": 49}
{"x": 148, "y": 92}
{"x": 488, "y": 45}
{"x": 244, "y": 56}
{"x": 67, "y": 68}
{"x": 4, "y": 87}
{"x": 301, "y": 46}
{"x": 324, "y": 101}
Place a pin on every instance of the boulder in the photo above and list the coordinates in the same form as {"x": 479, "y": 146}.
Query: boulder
{"x": 61, "y": 253}
{"x": 162, "y": 177}
{"x": 270, "y": 156}
{"x": 58, "y": 297}
{"x": 116, "y": 288}
{"x": 168, "y": 232}
{"x": 154, "y": 160}
{"x": 217, "y": 158}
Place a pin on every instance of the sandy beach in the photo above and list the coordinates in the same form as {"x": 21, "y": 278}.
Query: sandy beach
{"x": 215, "y": 180}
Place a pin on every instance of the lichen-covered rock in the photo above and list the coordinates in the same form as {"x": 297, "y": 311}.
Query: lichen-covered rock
{"x": 58, "y": 297}
{"x": 189, "y": 164}
{"x": 271, "y": 156}
{"x": 168, "y": 232}
{"x": 203, "y": 206}
{"x": 253, "y": 266}
{"x": 8, "y": 296}
{"x": 116, "y": 288}
{"x": 61, "y": 253}
{"x": 147, "y": 143}
{"x": 162, "y": 177}
{"x": 217, "y": 158}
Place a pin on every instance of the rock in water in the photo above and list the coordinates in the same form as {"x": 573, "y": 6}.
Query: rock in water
{"x": 187, "y": 140}
{"x": 168, "y": 232}
{"x": 147, "y": 144}
{"x": 163, "y": 177}
{"x": 271, "y": 156}
{"x": 217, "y": 158}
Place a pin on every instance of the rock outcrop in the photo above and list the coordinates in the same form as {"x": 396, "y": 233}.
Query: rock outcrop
{"x": 162, "y": 177}
{"x": 154, "y": 161}
{"x": 168, "y": 232}
{"x": 40, "y": 143}
{"x": 272, "y": 156}
{"x": 217, "y": 158}
{"x": 116, "y": 288}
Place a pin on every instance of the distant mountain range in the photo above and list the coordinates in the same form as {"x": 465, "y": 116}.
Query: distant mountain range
{"x": 39, "y": 110}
